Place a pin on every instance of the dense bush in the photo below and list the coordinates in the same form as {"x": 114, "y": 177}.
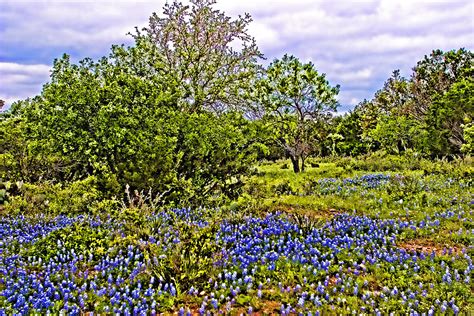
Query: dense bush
{"x": 102, "y": 119}
{"x": 381, "y": 161}
{"x": 48, "y": 198}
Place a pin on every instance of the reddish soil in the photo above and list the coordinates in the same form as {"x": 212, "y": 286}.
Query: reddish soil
{"x": 428, "y": 246}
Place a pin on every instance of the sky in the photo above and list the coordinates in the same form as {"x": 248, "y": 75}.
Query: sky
{"x": 356, "y": 43}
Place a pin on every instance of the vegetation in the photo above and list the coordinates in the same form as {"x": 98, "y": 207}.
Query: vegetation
{"x": 426, "y": 113}
{"x": 212, "y": 56}
{"x": 180, "y": 175}
{"x": 295, "y": 99}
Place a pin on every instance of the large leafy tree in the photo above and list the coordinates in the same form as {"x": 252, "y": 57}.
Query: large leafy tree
{"x": 295, "y": 99}
{"x": 117, "y": 119}
{"x": 447, "y": 117}
{"x": 391, "y": 99}
{"x": 433, "y": 103}
{"x": 396, "y": 134}
{"x": 212, "y": 56}
{"x": 435, "y": 74}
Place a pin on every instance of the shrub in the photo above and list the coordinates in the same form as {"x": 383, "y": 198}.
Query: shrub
{"x": 283, "y": 188}
{"x": 46, "y": 198}
{"x": 126, "y": 131}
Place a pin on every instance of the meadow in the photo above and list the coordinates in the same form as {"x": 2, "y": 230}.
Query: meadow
{"x": 186, "y": 172}
{"x": 346, "y": 236}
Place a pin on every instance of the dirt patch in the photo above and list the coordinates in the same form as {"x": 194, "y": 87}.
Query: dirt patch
{"x": 332, "y": 281}
{"x": 427, "y": 246}
{"x": 269, "y": 307}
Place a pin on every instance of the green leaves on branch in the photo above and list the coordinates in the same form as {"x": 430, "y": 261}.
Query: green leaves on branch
{"x": 426, "y": 112}
{"x": 295, "y": 99}
{"x": 145, "y": 115}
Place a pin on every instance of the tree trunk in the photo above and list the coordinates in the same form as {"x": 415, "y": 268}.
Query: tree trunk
{"x": 303, "y": 158}
{"x": 296, "y": 165}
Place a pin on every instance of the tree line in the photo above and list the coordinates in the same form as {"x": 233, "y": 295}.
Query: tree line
{"x": 189, "y": 108}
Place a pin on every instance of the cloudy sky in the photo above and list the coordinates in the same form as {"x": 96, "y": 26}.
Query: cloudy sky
{"x": 356, "y": 43}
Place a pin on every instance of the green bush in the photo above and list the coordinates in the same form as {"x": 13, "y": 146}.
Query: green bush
{"x": 192, "y": 261}
{"x": 101, "y": 119}
{"x": 283, "y": 188}
{"x": 46, "y": 198}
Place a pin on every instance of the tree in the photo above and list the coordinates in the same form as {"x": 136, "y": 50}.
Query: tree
{"x": 397, "y": 133}
{"x": 349, "y": 126}
{"x": 212, "y": 56}
{"x": 2, "y": 104}
{"x": 392, "y": 99}
{"x": 106, "y": 119}
{"x": 446, "y": 116}
{"x": 436, "y": 100}
{"x": 117, "y": 119}
{"x": 295, "y": 97}
{"x": 435, "y": 74}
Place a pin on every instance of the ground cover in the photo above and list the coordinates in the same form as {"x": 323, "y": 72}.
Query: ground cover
{"x": 405, "y": 247}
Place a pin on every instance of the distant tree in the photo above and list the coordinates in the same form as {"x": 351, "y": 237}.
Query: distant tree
{"x": 397, "y": 133}
{"x": 446, "y": 117}
{"x": 436, "y": 101}
{"x": 441, "y": 89}
{"x": 349, "y": 126}
{"x": 392, "y": 99}
{"x": 2, "y": 104}
{"x": 211, "y": 56}
{"x": 435, "y": 74}
{"x": 295, "y": 97}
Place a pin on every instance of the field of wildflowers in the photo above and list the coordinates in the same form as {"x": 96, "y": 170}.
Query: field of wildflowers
{"x": 409, "y": 252}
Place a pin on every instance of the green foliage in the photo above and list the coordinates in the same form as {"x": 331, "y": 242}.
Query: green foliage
{"x": 19, "y": 158}
{"x": 213, "y": 155}
{"x": 117, "y": 121}
{"x": 423, "y": 113}
{"x": 397, "y": 134}
{"x": 349, "y": 127}
{"x": 468, "y": 133}
{"x": 47, "y": 198}
{"x": 446, "y": 116}
{"x": 295, "y": 100}
{"x": 103, "y": 120}
{"x": 435, "y": 74}
{"x": 192, "y": 262}
{"x": 283, "y": 188}
{"x": 392, "y": 99}
{"x": 82, "y": 237}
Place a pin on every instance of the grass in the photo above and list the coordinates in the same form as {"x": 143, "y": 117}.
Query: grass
{"x": 277, "y": 188}
{"x": 409, "y": 195}
{"x": 336, "y": 238}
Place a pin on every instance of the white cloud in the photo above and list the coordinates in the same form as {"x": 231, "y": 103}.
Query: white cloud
{"x": 361, "y": 74}
{"x": 356, "y": 43}
{"x": 19, "y": 81}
